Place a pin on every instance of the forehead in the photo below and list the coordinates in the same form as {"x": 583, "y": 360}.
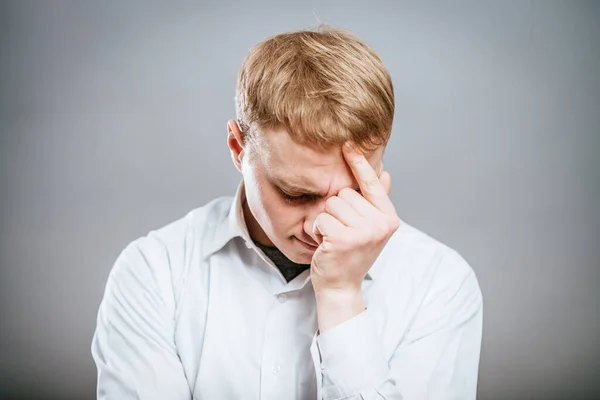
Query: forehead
{"x": 320, "y": 171}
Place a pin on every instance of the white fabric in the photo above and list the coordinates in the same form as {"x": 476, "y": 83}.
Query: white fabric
{"x": 195, "y": 310}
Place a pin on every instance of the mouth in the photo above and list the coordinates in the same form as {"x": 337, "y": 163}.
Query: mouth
{"x": 309, "y": 246}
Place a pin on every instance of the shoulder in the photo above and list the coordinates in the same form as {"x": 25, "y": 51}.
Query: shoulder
{"x": 196, "y": 227}
{"x": 432, "y": 284}
{"x": 428, "y": 262}
{"x": 163, "y": 257}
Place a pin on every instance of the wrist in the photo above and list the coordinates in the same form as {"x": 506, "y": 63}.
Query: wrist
{"x": 335, "y": 296}
{"x": 335, "y": 306}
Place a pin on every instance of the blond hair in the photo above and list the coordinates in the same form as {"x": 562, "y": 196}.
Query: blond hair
{"x": 323, "y": 86}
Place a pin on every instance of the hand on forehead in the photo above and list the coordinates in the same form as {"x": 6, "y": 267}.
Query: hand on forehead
{"x": 352, "y": 154}
{"x": 368, "y": 163}
{"x": 314, "y": 169}
{"x": 374, "y": 185}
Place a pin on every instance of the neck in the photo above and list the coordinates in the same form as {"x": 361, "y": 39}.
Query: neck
{"x": 257, "y": 234}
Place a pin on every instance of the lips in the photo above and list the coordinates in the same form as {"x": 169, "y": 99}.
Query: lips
{"x": 309, "y": 244}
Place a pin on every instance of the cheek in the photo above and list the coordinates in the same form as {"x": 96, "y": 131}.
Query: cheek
{"x": 286, "y": 219}
{"x": 269, "y": 208}
{"x": 284, "y": 216}
{"x": 272, "y": 211}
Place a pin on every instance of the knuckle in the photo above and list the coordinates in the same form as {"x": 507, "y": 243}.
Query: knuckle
{"x": 371, "y": 183}
{"x": 330, "y": 203}
{"x": 345, "y": 192}
{"x": 326, "y": 246}
{"x": 356, "y": 161}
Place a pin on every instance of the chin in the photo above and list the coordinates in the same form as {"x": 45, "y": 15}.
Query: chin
{"x": 302, "y": 256}
{"x": 299, "y": 256}
{"x": 296, "y": 252}
{"x": 303, "y": 259}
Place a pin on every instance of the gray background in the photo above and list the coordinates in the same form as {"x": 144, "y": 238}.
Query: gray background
{"x": 113, "y": 122}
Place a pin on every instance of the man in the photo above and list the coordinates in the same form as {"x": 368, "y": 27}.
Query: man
{"x": 306, "y": 284}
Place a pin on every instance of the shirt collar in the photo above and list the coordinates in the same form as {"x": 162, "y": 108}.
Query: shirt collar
{"x": 234, "y": 225}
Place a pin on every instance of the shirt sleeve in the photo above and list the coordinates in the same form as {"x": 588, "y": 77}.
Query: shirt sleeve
{"x": 437, "y": 359}
{"x": 133, "y": 345}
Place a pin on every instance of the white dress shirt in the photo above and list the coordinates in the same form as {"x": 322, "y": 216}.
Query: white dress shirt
{"x": 194, "y": 310}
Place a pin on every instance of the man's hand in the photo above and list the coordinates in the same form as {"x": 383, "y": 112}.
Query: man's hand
{"x": 352, "y": 233}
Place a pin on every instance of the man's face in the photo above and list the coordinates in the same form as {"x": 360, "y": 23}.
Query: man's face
{"x": 286, "y": 187}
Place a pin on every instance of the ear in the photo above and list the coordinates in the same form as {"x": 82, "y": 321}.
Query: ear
{"x": 235, "y": 142}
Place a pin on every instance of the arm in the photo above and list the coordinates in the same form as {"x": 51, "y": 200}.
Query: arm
{"x": 438, "y": 357}
{"x": 133, "y": 345}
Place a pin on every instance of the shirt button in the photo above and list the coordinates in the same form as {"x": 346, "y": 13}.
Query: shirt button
{"x": 248, "y": 245}
{"x": 275, "y": 369}
{"x": 282, "y": 298}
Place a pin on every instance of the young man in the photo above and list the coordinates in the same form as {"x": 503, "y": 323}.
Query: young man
{"x": 306, "y": 284}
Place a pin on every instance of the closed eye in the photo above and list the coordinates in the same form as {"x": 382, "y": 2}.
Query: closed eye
{"x": 300, "y": 198}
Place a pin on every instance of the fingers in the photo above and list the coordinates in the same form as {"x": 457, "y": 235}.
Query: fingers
{"x": 326, "y": 225}
{"x": 368, "y": 181}
{"x": 343, "y": 211}
{"x": 358, "y": 203}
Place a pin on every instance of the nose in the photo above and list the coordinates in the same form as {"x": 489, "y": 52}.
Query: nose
{"x": 312, "y": 211}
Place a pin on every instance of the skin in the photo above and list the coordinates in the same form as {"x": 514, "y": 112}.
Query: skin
{"x": 338, "y": 222}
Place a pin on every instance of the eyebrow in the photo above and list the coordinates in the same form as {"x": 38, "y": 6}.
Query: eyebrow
{"x": 291, "y": 187}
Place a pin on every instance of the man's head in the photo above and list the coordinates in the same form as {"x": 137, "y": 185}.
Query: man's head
{"x": 299, "y": 97}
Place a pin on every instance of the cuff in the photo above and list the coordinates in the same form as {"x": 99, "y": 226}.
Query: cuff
{"x": 351, "y": 357}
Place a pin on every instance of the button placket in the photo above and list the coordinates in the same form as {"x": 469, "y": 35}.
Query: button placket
{"x": 274, "y": 377}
